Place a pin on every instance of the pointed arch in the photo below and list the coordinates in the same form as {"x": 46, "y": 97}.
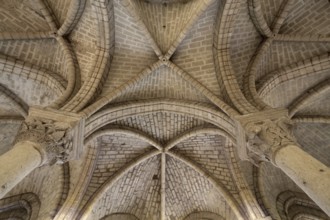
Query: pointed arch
{"x": 232, "y": 202}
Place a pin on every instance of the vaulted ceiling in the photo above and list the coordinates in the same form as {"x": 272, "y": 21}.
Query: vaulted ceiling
{"x": 154, "y": 79}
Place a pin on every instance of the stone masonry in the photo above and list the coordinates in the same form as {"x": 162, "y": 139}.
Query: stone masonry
{"x": 165, "y": 109}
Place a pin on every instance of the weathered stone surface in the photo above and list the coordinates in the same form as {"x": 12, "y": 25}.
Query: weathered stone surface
{"x": 219, "y": 56}
{"x": 265, "y": 137}
{"x": 264, "y": 133}
{"x": 59, "y": 136}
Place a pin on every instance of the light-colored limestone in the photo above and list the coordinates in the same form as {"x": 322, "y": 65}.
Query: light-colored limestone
{"x": 172, "y": 91}
{"x": 309, "y": 174}
{"x": 19, "y": 162}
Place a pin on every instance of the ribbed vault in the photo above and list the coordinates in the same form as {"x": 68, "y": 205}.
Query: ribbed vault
{"x": 131, "y": 142}
{"x": 160, "y": 84}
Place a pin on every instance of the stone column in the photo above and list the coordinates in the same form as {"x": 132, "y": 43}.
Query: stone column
{"x": 312, "y": 176}
{"x": 47, "y": 137}
{"x": 269, "y": 138}
{"x": 16, "y": 164}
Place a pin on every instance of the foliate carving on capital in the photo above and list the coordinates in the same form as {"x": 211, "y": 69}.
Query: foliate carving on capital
{"x": 54, "y": 138}
{"x": 267, "y": 136}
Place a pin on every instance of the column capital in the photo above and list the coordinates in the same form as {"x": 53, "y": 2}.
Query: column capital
{"x": 265, "y": 133}
{"x": 57, "y": 135}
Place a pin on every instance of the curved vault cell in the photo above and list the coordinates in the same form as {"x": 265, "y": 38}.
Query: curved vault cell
{"x": 137, "y": 193}
{"x": 208, "y": 151}
{"x": 314, "y": 138}
{"x": 115, "y": 151}
{"x": 162, "y": 126}
{"x": 31, "y": 92}
{"x": 188, "y": 191}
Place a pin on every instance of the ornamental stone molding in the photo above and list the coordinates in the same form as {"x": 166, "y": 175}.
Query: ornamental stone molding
{"x": 262, "y": 134}
{"x": 57, "y": 135}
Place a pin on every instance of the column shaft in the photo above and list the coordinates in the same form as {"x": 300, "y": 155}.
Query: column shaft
{"x": 17, "y": 164}
{"x": 312, "y": 176}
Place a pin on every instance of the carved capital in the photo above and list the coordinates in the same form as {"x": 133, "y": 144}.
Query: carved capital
{"x": 265, "y": 137}
{"x": 57, "y": 134}
{"x": 266, "y": 133}
{"x": 54, "y": 138}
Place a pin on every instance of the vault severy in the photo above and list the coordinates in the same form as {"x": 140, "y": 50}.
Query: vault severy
{"x": 187, "y": 60}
